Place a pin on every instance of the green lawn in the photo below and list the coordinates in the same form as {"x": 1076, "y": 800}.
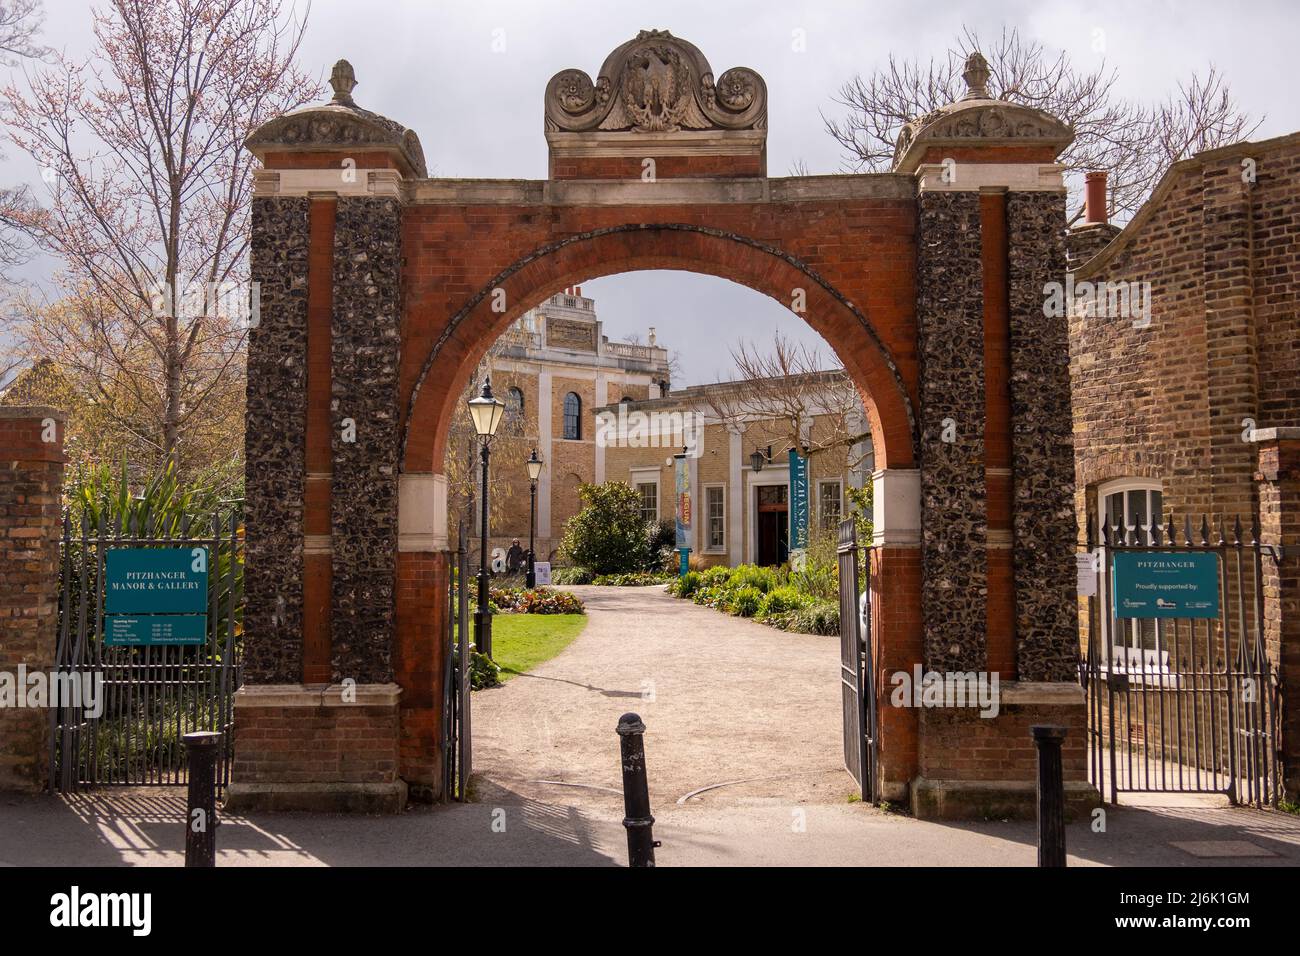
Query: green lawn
{"x": 522, "y": 641}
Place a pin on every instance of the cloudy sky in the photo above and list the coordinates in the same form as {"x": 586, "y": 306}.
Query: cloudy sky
{"x": 469, "y": 78}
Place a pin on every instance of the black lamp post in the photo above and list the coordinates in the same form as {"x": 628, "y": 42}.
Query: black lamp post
{"x": 534, "y": 472}
{"x": 486, "y": 412}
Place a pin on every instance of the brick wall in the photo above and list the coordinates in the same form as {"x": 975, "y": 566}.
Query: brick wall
{"x": 316, "y": 751}
{"x": 31, "y": 483}
{"x": 665, "y": 167}
{"x": 1279, "y": 508}
{"x": 1168, "y": 401}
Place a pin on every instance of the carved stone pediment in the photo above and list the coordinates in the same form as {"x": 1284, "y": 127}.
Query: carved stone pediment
{"x": 337, "y": 125}
{"x": 656, "y": 83}
{"x": 978, "y": 118}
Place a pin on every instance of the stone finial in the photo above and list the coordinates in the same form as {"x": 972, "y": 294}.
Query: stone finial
{"x": 344, "y": 80}
{"x": 976, "y": 76}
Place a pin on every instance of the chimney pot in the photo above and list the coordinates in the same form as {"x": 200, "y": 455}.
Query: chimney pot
{"x": 1094, "y": 198}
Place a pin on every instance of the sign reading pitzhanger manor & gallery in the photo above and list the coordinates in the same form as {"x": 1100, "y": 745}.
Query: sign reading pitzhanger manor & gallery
{"x": 1166, "y": 584}
{"x": 155, "y": 595}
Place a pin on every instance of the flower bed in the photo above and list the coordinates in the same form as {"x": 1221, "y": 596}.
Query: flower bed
{"x": 536, "y": 601}
{"x": 778, "y": 597}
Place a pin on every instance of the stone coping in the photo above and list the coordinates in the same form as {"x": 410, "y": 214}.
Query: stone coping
{"x": 566, "y": 192}
{"x": 316, "y": 695}
{"x": 1051, "y": 693}
{"x": 1275, "y": 434}
{"x": 32, "y": 411}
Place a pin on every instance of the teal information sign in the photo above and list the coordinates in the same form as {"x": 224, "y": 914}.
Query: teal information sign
{"x": 1166, "y": 584}
{"x": 155, "y": 595}
{"x": 156, "y": 581}
{"x": 798, "y": 501}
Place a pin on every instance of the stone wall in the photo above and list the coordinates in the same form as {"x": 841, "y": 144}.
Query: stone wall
{"x": 1042, "y": 450}
{"x": 950, "y": 337}
{"x": 274, "y": 442}
{"x": 31, "y": 486}
{"x": 366, "y": 347}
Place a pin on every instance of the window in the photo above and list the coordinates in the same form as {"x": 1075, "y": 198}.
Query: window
{"x": 572, "y": 416}
{"x": 1130, "y": 505}
{"x": 649, "y": 492}
{"x": 830, "y": 498}
{"x": 715, "y": 504}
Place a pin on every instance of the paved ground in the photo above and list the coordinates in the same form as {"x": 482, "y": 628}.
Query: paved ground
{"x": 724, "y": 699}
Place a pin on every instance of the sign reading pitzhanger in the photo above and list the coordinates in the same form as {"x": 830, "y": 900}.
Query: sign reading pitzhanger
{"x": 1166, "y": 584}
{"x": 155, "y": 595}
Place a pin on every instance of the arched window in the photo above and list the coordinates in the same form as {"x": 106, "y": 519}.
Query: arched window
{"x": 515, "y": 400}
{"x": 572, "y": 416}
{"x": 1130, "y": 508}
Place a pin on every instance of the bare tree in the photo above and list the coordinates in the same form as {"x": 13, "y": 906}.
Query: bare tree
{"x": 20, "y": 23}
{"x": 790, "y": 386}
{"x": 1132, "y": 141}
{"x": 141, "y": 147}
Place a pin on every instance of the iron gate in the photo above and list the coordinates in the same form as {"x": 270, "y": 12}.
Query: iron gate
{"x": 150, "y": 696}
{"x": 1183, "y": 705}
{"x": 457, "y": 744}
{"x": 857, "y": 674}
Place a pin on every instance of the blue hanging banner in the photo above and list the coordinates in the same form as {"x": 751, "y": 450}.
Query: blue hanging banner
{"x": 1166, "y": 584}
{"x": 682, "y": 479}
{"x": 798, "y": 501}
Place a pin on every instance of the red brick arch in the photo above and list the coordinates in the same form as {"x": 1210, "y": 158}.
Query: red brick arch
{"x": 463, "y": 340}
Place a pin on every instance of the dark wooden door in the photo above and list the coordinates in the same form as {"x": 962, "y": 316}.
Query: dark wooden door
{"x": 773, "y": 524}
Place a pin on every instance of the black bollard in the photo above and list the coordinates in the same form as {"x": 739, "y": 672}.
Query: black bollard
{"x": 201, "y": 750}
{"x": 636, "y": 793}
{"x": 1051, "y": 795}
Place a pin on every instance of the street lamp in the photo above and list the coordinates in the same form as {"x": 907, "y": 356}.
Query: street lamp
{"x": 756, "y": 459}
{"x": 486, "y": 413}
{"x": 534, "y": 472}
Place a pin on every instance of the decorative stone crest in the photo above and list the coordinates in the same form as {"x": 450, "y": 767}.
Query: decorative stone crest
{"x": 339, "y": 124}
{"x": 978, "y": 116}
{"x": 656, "y": 83}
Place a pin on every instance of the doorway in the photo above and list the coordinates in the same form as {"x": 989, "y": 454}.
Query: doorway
{"x": 773, "y": 524}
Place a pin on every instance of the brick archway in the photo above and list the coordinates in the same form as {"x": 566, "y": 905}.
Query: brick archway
{"x": 463, "y": 339}
{"x": 381, "y": 288}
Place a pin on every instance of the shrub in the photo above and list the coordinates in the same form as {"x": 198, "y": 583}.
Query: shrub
{"x": 661, "y": 539}
{"x": 820, "y": 618}
{"x": 607, "y": 535}
{"x": 750, "y": 575}
{"x": 686, "y": 585}
{"x": 708, "y": 595}
{"x": 571, "y": 576}
{"x": 781, "y": 600}
{"x": 716, "y": 576}
{"x": 745, "y": 601}
{"x": 632, "y": 579}
{"x": 483, "y": 671}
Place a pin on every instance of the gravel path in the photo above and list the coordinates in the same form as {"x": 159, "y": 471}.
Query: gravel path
{"x": 723, "y": 699}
